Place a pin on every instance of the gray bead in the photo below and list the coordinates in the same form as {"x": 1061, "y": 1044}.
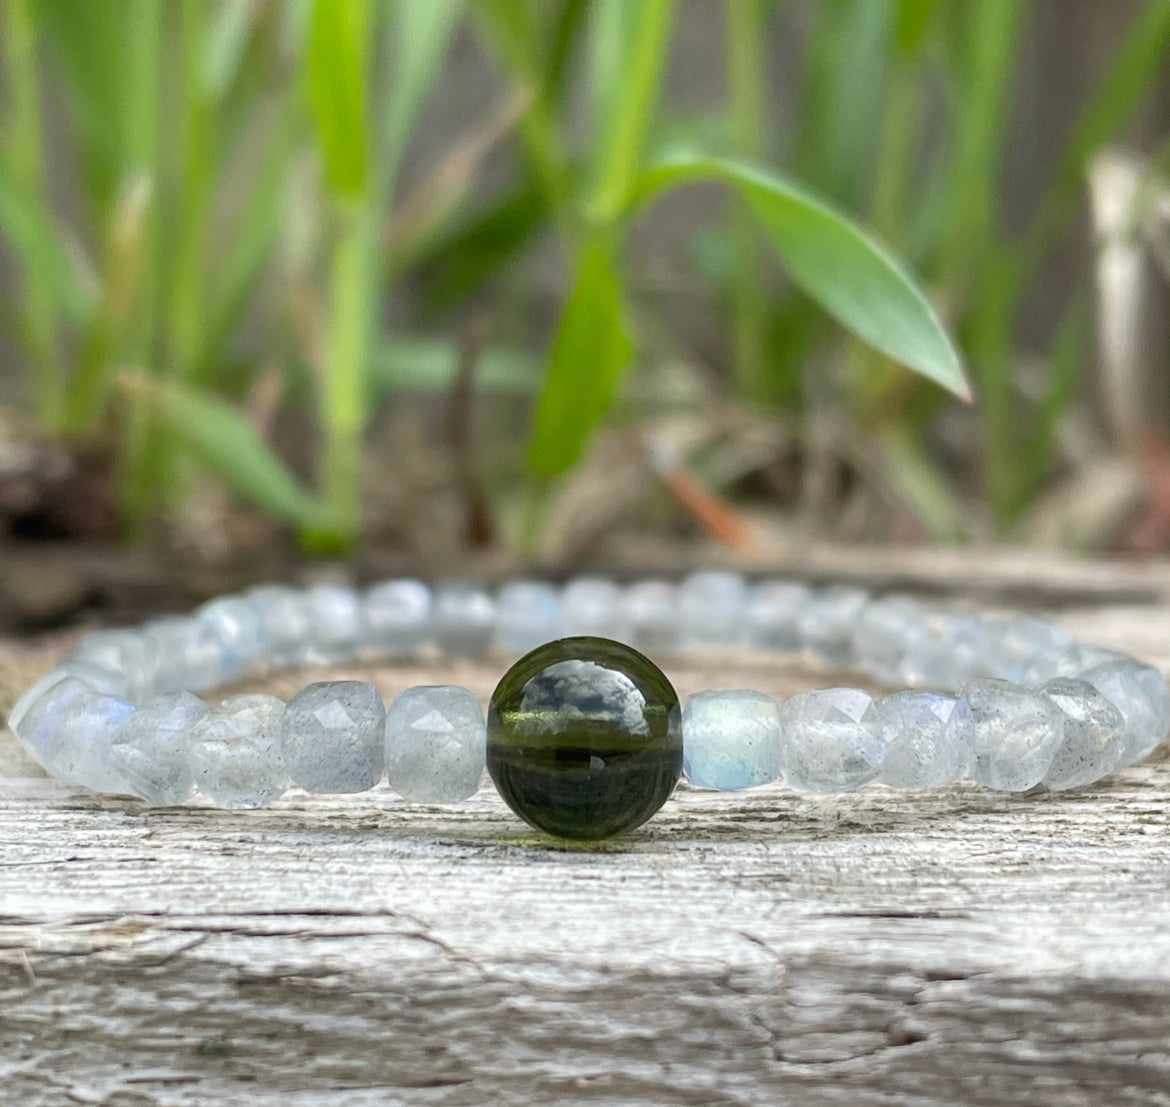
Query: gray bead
{"x": 234, "y": 752}
{"x": 38, "y": 722}
{"x": 285, "y": 623}
{"x": 1082, "y": 657}
{"x": 882, "y": 633}
{"x": 1139, "y": 692}
{"x": 187, "y": 655}
{"x": 712, "y": 605}
{"x": 774, "y": 608}
{"x": 149, "y": 750}
{"x": 731, "y": 739}
{"x": 332, "y": 737}
{"x": 125, "y": 652}
{"x": 97, "y": 678}
{"x": 1017, "y": 733}
{"x": 650, "y": 615}
{"x": 528, "y": 614}
{"x": 1030, "y": 646}
{"x": 930, "y": 740}
{"x": 398, "y": 618}
{"x": 594, "y": 606}
{"x": 947, "y": 650}
{"x": 463, "y": 620}
{"x": 436, "y": 739}
{"x": 832, "y": 740}
{"x": 79, "y": 751}
{"x": 828, "y": 621}
{"x": 1094, "y": 734}
{"x": 336, "y": 624}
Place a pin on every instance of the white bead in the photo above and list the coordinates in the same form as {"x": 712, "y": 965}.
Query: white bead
{"x": 832, "y": 740}
{"x": 1094, "y": 734}
{"x": 592, "y": 606}
{"x": 649, "y": 612}
{"x": 234, "y": 752}
{"x": 827, "y": 623}
{"x": 929, "y": 739}
{"x": 149, "y": 750}
{"x": 80, "y": 750}
{"x": 774, "y": 608}
{"x": 436, "y": 741}
{"x": 712, "y": 605}
{"x": 284, "y": 620}
{"x": 235, "y": 626}
{"x": 40, "y": 719}
{"x": 731, "y": 739}
{"x": 1139, "y": 692}
{"x": 332, "y": 736}
{"x": 1017, "y": 734}
{"x": 528, "y": 614}
{"x": 398, "y": 618}
{"x": 882, "y": 633}
{"x": 336, "y": 624}
{"x": 463, "y": 620}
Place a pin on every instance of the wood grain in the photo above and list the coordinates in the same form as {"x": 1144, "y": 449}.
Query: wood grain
{"x": 761, "y": 948}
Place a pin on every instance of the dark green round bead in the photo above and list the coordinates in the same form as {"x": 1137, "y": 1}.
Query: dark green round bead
{"x": 584, "y": 738}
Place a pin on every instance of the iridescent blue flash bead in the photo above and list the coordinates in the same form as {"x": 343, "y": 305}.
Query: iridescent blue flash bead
{"x": 731, "y": 739}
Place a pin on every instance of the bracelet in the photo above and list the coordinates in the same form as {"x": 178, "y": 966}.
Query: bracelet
{"x": 584, "y": 736}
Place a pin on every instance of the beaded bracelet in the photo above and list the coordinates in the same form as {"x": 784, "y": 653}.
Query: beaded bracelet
{"x": 584, "y": 736}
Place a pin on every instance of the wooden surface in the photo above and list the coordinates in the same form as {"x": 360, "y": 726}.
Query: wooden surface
{"x": 760, "y": 948}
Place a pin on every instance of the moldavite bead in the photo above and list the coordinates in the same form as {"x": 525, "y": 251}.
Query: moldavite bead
{"x": 1094, "y": 734}
{"x": 711, "y": 608}
{"x": 1017, "y": 733}
{"x": 463, "y": 620}
{"x": 929, "y": 739}
{"x": 528, "y": 614}
{"x": 149, "y": 750}
{"x": 398, "y": 617}
{"x": 584, "y": 738}
{"x": 234, "y": 752}
{"x": 435, "y": 744}
{"x": 332, "y": 736}
{"x": 731, "y": 739}
{"x": 832, "y": 740}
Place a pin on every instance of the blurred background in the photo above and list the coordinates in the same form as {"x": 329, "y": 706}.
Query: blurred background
{"x": 405, "y": 281}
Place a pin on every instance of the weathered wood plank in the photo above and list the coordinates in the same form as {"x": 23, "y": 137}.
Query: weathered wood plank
{"x": 923, "y": 948}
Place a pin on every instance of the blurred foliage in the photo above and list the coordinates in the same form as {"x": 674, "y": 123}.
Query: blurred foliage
{"x": 237, "y": 162}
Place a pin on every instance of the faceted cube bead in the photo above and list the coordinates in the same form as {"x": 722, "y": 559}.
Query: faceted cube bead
{"x": 832, "y": 740}
{"x": 463, "y": 620}
{"x": 1082, "y": 657}
{"x": 731, "y": 739}
{"x": 592, "y": 606}
{"x": 882, "y": 633}
{"x": 187, "y": 655}
{"x": 80, "y": 750}
{"x": 435, "y": 738}
{"x": 528, "y": 614}
{"x": 774, "y": 608}
{"x": 149, "y": 750}
{"x": 284, "y": 622}
{"x": 1029, "y": 646}
{"x": 947, "y": 650}
{"x": 929, "y": 740}
{"x": 332, "y": 737}
{"x": 711, "y": 608}
{"x": 126, "y": 652}
{"x": 1139, "y": 693}
{"x": 398, "y": 618}
{"x": 1017, "y": 733}
{"x": 97, "y": 678}
{"x": 827, "y": 623}
{"x": 650, "y": 616}
{"x": 336, "y": 624}
{"x": 1094, "y": 734}
{"x": 234, "y": 752}
{"x": 37, "y": 722}
{"x": 584, "y": 738}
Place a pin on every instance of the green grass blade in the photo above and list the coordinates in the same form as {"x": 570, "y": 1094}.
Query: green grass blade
{"x": 589, "y": 352}
{"x": 227, "y": 38}
{"x": 224, "y": 441}
{"x": 836, "y": 262}
{"x": 432, "y": 365}
{"x": 337, "y": 90}
{"x": 631, "y": 38}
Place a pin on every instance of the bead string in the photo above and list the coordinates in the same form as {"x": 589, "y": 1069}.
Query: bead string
{"x": 1010, "y": 702}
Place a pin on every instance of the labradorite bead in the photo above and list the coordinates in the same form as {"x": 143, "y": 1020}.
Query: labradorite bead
{"x": 584, "y": 738}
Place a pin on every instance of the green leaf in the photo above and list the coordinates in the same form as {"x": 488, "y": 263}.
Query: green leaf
{"x": 837, "y": 263}
{"x": 433, "y": 365}
{"x": 337, "y": 90}
{"x": 914, "y": 20}
{"x": 589, "y": 352}
{"x": 227, "y": 443}
{"x": 27, "y": 230}
{"x": 227, "y": 37}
